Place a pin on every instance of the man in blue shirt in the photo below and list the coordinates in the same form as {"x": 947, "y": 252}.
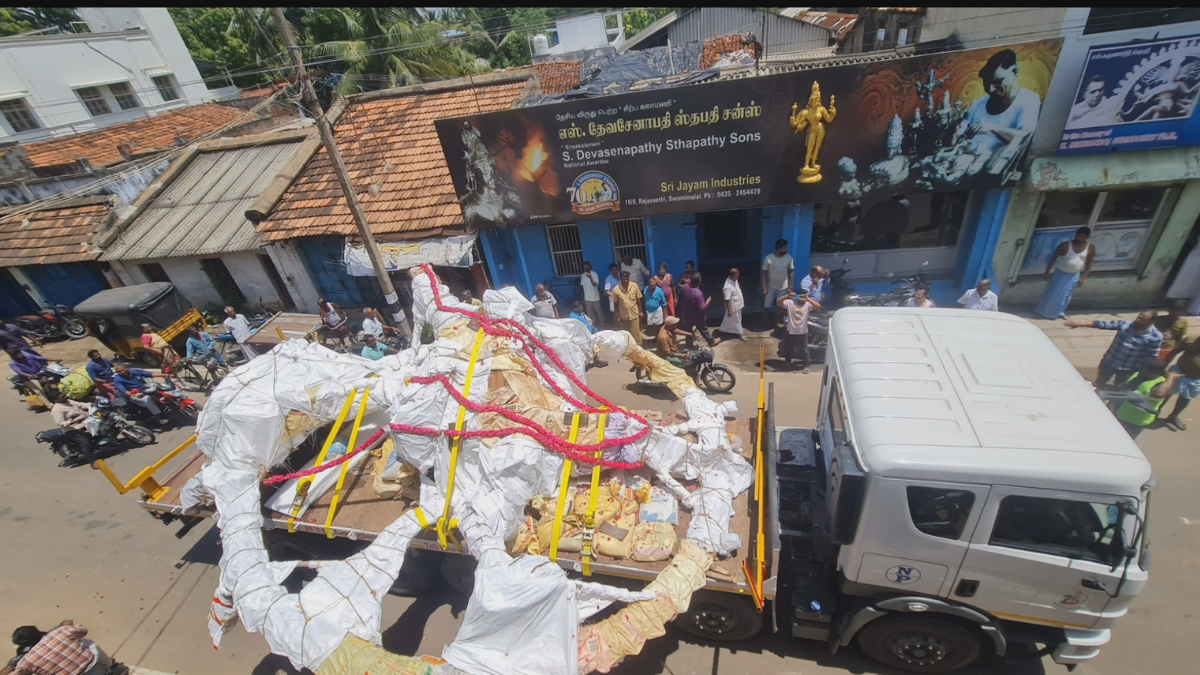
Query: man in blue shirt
{"x": 201, "y": 346}
{"x": 1136, "y": 342}
{"x": 581, "y": 315}
{"x": 374, "y": 350}
{"x": 99, "y": 368}
{"x": 815, "y": 283}
{"x": 128, "y": 380}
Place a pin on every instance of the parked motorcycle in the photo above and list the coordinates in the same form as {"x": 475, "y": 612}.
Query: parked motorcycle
{"x": 52, "y": 323}
{"x": 715, "y": 377}
{"x": 171, "y": 400}
{"x": 842, "y": 293}
{"x": 107, "y": 428}
{"x": 48, "y": 378}
{"x": 905, "y": 288}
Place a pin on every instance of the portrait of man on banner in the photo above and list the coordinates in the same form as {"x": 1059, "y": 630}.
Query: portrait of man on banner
{"x": 1000, "y": 124}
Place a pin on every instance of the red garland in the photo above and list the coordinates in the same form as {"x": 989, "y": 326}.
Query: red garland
{"x": 274, "y": 480}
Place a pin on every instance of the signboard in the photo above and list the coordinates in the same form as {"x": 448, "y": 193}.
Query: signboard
{"x": 1135, "y": 96}
{"x": 863, "y": 131}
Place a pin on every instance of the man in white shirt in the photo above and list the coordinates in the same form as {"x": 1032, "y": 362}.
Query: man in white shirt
{"x": 1094, "y": 110}
{"x": 734, "y": 302}
{"x": 1006, "y": 115}
{"x": 613, "y": 280}
{"x": 795, "y": 343}
{"x": 981, "y": 297}
{"x": 544, "y": 304}
{"x": 814, "y": 284}
{"x": 637, "y": 270}
{"x": 778, "y": 277}
{"x": 590, "y": 282}
{"x": 237, "y": 326}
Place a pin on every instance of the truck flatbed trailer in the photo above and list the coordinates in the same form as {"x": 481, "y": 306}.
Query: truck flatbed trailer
{"x": 361, "y": 516}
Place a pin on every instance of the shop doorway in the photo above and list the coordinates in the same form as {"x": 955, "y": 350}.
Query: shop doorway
{"x": 729, "y": 239}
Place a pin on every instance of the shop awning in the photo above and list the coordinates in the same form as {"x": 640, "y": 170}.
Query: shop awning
{"x": 455, "y": 251}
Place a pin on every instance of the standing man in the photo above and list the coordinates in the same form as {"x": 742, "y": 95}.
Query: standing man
{"x": 610, "y": 283}
{"x": 628, "y": 313}
{"x": 637, "y": 270}
{"x": 1135, "y": 342}
{"x": 240, "y": 329}
{"x": 778, "y": 279}
{"x": 814, "y": 284}
{"x": 1188, "y": 384}
{"x": 795, "y": 343}
{"x": 734, "y": 302}
{"x": 981, "y": 297}
{"x": 590, "y": 282}
{"x": 693, "y": 310}
{"x": 1068, "y": 269}
{"x": 544, "y": 303}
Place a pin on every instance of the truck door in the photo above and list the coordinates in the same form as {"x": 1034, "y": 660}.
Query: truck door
{"x": 1046, "y": 557}
{"x": 917, "y": 533}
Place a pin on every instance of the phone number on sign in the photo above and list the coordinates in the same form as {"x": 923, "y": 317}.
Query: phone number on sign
{"x": 738, "y": 193}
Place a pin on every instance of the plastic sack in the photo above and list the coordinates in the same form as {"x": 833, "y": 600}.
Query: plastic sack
{"x": 76, "y": 386}
{"x": 662, "y": 508}
{"x": 654, "y": 541}
{"x": 607, "y": 540}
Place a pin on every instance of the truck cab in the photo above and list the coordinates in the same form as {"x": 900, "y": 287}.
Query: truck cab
{"x": 978, "y": 495}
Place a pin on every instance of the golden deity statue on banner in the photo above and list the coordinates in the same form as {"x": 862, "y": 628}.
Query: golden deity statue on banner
{"x": 813, "y": 117}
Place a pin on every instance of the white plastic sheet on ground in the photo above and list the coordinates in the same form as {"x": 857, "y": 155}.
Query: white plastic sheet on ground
{"x": 524, "y": 614}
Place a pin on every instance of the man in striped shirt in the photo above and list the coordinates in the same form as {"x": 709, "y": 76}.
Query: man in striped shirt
{"x": 1135, "y": 342}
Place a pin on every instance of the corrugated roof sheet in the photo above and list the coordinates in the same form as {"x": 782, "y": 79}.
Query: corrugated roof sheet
{"x": 55, "y": 235}
{"x": 203, "y": 210}
{"x": 99, "y": 147}
{"x": 390, "y": 141}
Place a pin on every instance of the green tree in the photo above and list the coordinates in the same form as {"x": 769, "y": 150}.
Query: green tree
{"x": 243, "y": 38}
{"x": 12, "y": 23}
{"x": 16, "y": 20}
{"x": 637, "y": 20}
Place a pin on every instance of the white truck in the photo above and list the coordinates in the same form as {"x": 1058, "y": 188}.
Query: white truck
{"x": 964, "y": 491}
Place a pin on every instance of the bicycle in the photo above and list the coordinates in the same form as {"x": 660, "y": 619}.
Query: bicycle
{"x": 197, "y": 375}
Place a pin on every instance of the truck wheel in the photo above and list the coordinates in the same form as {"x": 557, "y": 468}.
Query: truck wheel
{"x": 724, "y": 617}
{"x": 919, "y": 644}
{"x": 417, "y": 573}
{"x": 459, "y": 572}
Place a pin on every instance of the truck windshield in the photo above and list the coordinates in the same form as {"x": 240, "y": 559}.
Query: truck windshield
{"x": 1069, "y": 528}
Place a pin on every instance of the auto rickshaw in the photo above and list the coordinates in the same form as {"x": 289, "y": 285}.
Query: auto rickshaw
{"x": 116, "y": 316}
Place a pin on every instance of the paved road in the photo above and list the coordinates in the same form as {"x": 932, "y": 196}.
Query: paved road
{"x": 75, "y": 548}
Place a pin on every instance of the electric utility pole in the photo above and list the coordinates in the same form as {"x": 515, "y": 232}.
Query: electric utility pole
{"x": 339, "y": 167}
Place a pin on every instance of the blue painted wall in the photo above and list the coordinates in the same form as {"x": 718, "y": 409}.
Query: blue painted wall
{"x": 671, "y": 239}
{"x": 504, "y": 264}
{"x": 980, "y": 233}
{"x": 596, "y": 240}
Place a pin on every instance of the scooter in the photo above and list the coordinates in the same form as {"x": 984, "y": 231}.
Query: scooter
{"x": 715, "y": 377}
{"x": 53, "y": 322}
{"x": 106, "y": 426}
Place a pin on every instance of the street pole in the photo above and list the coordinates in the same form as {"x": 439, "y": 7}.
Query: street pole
{"x": 339, "y": 167}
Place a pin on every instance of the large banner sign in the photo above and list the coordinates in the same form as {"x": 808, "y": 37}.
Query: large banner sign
{"x": 1136, "y": 96}
{"x": 949, "y": 121}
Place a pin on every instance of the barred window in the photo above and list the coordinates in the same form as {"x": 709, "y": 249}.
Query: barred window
{"x": 565, "y": 249}
{"x": 19, "y": 116}
{"x": 124, "y": 95}
{"x": 629, "y": 238}
{"x": 166, "y": 87}
{"x": 93, "y": 99}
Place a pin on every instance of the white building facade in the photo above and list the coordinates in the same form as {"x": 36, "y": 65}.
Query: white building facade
{"x": 132, "y": 64}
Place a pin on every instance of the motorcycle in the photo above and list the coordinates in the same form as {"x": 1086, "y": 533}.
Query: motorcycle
{"x": 842, "y": 293}
{"x": 699, "y": 364}
{"x": 106, "y": 426}
{"x": 171, "y": 400}
{"x": 905, "y": 288}
{"x": 53, "y": 322}
{"x": 48, "y": 378}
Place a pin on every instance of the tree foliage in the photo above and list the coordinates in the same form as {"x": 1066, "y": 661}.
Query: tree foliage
{"x": 244, "y": 38}
{"x": 16, "y": 20}
{"x": 637, "y": 20}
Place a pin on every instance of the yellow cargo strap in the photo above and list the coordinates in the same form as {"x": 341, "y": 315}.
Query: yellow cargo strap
{"x": 306, "y": 482}
{"x": 564, "y": 483}
{"x": 337, "y": 492}
{"x": 445, "y": 524}
{"x": 589, "y": 519}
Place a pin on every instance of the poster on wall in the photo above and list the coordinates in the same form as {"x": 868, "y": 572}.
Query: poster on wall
{"x": 950, "y": 121}
{"x": 1136, "y": 96}
{"x": 1117, "y": 247}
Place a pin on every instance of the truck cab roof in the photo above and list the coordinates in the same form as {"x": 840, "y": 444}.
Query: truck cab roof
{"x": 977, "y": 397}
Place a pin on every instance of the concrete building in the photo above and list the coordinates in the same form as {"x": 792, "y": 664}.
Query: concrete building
{"x": 131, "y": 64}
{"x": 1142, "y": 205}
{"x": 781, "y": 36}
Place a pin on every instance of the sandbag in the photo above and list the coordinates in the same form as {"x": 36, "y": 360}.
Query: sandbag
{"x": 606, "y": 540}
{"x": 607, "y": 506}
{"x": 654, "y": 541}
{"x": 356, "y": 656}
{"x": 76, "y": 386}
{"x": 570, "y": 536}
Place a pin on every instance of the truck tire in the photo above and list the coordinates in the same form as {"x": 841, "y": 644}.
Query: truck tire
{"x": 723, "y": 617}
{"x": 919, "y": 644}
{"x": 416, "y": 574}
{"x": 459, "y": 572}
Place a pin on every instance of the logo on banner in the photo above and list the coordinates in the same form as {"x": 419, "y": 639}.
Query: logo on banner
{"x": 594, "y": 191}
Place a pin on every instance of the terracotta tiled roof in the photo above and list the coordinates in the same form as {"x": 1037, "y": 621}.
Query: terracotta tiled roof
{"x": 390, "y": 142}
{"x": 100, "y": 146}
{"x": 558, "y": 77}
{"x": 54, "y": 235}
